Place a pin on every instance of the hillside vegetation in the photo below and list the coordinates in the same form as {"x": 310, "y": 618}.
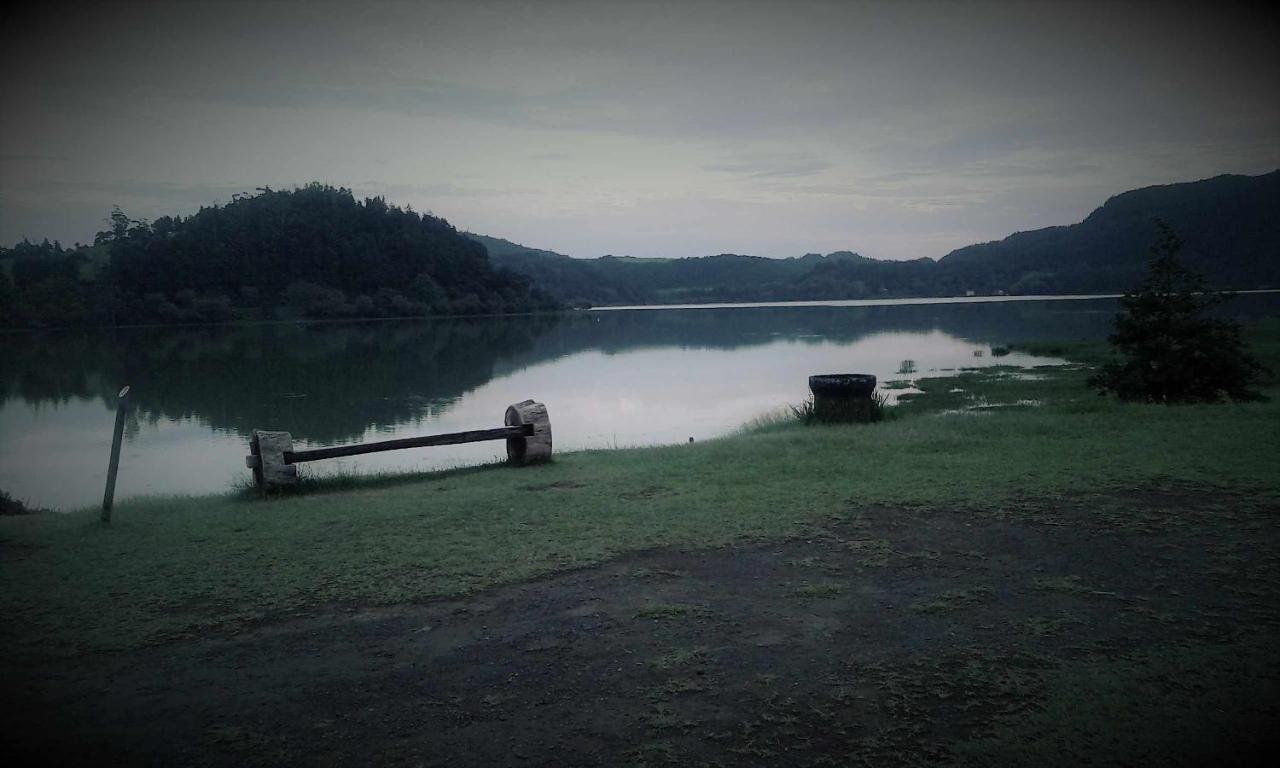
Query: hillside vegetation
{"x": 317, "y": 252}
{"x": 1229, "y": 224}
{"x": 312, "y": 252}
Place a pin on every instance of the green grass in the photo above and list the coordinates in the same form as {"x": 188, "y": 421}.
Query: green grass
{"x": 1190, "y": 697}
{"x": 953, "y": 600}
{"x": 170, "y": 567}
{"x": 669, "y": 611}
{"x": 818, "y": 590}
{"x": 681, "y": 657}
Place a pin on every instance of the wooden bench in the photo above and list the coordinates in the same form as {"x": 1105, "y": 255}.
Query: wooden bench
{"x": 527, "y": 432}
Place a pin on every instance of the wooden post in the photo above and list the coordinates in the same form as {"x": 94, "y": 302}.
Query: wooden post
{"x": 536, "y": 447}
{"x": 270, "y": 470}
{"x": 122, "y": 407}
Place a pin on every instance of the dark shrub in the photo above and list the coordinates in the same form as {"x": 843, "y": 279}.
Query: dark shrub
{"x": 1173, "y": 351}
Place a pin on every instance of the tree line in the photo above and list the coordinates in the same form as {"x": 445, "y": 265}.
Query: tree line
{"x": 316, "y": 252}
{"x": 313, "y": 252}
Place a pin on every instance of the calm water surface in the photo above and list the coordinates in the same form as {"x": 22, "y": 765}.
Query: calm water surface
{"x": 616, "y": 378}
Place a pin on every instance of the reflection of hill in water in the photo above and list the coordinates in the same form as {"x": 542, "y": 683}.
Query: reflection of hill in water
{"x": 322, "y": 382}
{"x": 620, "y": 331}
{"x": 331, "y": 382}
{"x": 977, "y": 322}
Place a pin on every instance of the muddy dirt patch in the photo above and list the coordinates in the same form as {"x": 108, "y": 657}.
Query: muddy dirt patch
{"x": 896, "y": 637}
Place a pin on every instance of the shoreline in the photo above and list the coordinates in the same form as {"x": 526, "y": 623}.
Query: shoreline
{"x": 906, "y": 301}
{"x": 960, "y": 582}
{"x": 999, "y": 298}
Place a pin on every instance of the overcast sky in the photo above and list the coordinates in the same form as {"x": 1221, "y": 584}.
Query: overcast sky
{"x": 652, "y": 129}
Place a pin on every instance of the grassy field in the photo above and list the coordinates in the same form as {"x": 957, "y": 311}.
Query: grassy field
{"x": 169, "y": 567}
{"x": 1010, "y": 570}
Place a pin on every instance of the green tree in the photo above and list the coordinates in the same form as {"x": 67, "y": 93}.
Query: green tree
{"x": 8, "y": 301}
{"x": 1172, "y": 350}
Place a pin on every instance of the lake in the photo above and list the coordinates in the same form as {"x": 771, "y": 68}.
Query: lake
{"x": 622, "y": 377}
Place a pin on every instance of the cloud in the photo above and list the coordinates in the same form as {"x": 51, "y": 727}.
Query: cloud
{"x": 399, "y": 192}
{"x": 20, "y": 157}
{"x": 133, "y": 190}
{"x": 772, "y": 165}
{"x": 73, "y": 211}
{"x": 423, "y": 98}
{"x": 884, "y": 114}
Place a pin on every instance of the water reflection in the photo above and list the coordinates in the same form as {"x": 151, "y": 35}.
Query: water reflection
{"x": 616, "y": 378}
{"x": 328, "y": 382}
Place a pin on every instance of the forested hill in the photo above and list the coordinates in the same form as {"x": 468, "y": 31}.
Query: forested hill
{"x": 724, "y": 277}
{"x": 317, "y": 252}
{"x": 1231, "y": 225}
{"x": 312, "y": 252}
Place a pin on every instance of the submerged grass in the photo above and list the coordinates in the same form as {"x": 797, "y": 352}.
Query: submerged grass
{"x": 169, "y": 567}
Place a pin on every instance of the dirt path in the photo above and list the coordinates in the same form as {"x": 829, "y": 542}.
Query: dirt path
{"x": 890, "y": 640}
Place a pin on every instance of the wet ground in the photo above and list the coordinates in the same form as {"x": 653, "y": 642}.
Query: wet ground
{"x": 895, "y": 637}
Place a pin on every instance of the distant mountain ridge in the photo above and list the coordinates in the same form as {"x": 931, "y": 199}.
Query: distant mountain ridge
{"x": 1231, "y": 225}
{"x": 317, "y": 252}
{"x": 627, "y": 280}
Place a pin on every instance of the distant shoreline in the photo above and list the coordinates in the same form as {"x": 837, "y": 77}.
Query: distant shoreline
{"x": 612, "y": 308}
{"x": 885, "y": 302}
